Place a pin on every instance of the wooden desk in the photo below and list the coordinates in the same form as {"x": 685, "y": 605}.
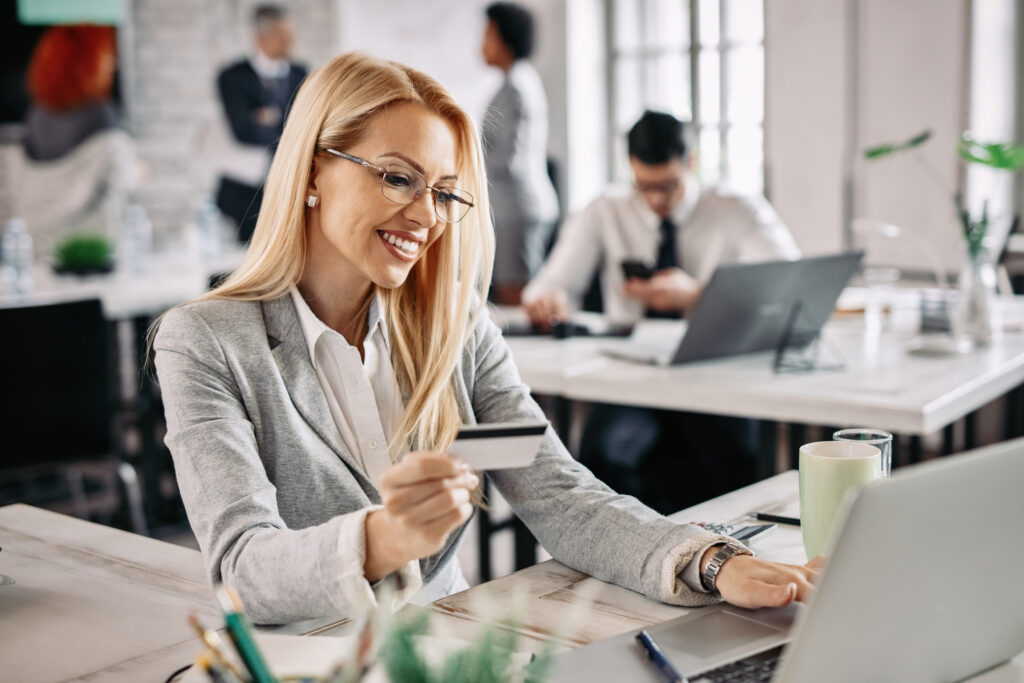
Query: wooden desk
{"x": 98, "y": 604}
{"x": 560, "y": 607}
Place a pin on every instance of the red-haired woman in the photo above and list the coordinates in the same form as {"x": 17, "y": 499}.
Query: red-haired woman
{"x": 78, "y": 163}
{"x": 70, "y": 80}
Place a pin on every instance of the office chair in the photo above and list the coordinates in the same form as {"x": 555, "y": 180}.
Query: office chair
{"x": 57, "y": 410}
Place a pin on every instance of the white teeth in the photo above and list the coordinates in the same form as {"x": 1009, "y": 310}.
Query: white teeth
{"x": 408, "y": 246}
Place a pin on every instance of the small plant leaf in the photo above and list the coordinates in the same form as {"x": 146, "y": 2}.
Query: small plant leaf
{"x": 1007, "y": 156}
{"x": 890, "y": 148}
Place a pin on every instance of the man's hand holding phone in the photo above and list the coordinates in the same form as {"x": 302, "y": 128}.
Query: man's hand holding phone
{"x": 670, "y": 289}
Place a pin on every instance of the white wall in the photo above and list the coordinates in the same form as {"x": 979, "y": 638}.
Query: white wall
{"x": 806, "y": 118}
{"x": 844, "y": 76}
{"x": 440, "y": 37}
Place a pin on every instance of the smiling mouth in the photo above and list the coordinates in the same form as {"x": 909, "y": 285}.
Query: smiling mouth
{"x": 407, "y": 248}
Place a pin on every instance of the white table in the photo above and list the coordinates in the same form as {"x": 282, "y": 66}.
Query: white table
{"x": 98, "y": 604}
{"x": 171, "y": 278}
{"x": 882, "y": 385}
{"x": 552, "y": 605}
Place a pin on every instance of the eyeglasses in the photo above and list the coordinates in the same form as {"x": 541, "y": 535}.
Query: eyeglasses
{"x": 667, "y": 187}
{"x": 404, "y": 185}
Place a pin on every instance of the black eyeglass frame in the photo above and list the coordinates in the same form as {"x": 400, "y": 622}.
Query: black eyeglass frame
{"x": 463, "y": 197}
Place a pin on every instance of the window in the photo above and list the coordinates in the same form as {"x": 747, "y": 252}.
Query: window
{"x": 703, "y": 61}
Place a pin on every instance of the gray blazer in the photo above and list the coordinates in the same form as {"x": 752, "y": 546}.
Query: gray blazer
{"x": 515, "y": 138}
{"x": 264, "y": 473}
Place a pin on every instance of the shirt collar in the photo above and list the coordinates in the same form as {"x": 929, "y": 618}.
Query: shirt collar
{"x": 313, "y": 328}
{"x": 265, "y": 67}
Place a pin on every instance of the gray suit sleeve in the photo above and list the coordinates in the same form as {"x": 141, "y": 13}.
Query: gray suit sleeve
{"x": 281, "y": 574}
{"x": 577, "y": 518}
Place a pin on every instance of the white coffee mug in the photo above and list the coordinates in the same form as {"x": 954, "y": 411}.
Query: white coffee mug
{"x": 828, "y": 469}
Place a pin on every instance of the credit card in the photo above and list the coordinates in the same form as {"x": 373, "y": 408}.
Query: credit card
{"x": 498, "y": 445}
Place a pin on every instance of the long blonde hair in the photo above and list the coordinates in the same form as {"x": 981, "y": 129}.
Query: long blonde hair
{"x": 431, "y": 314}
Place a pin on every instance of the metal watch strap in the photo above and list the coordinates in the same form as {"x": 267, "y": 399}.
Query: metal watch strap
{"x": 709, "y": 576}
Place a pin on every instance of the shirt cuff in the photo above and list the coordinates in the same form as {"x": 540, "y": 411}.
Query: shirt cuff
{"x": 396, "y": 588}
{"x": 691, "y": 572}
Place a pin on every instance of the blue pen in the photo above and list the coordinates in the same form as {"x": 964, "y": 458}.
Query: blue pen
{"x": 658, "y": 658}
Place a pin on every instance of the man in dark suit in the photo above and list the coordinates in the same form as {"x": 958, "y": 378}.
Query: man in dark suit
{"x": 256, "y": 93}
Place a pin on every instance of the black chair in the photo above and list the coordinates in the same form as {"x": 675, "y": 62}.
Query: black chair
{"x": 58, "y": 408}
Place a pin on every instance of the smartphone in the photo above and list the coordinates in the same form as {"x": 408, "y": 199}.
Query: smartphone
{"x": 637, "y": 268}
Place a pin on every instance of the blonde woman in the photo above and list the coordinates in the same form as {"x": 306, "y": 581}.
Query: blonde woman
{"x": 311, "y": 397}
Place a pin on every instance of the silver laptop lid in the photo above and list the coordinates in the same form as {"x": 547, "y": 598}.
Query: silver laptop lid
{"x": 927, "y": 581}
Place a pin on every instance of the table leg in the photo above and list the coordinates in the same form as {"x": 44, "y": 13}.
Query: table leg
{"x": 971, "y": 431}
{"x": 915, "y": 448}
{"x": 948, "y": 443}
{"x": 484, "y": 529}
{"x": 525, "y": 545}
{"x": 767, "y": 436}
{"x": 797, "y": 438}
{"x": 1014, "y": 418}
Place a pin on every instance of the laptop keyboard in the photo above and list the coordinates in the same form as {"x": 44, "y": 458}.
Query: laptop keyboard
{"x": 759, "y": 667}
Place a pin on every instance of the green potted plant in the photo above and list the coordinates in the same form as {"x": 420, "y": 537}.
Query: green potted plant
{"x": 977, "y": 277}
{"x": 84, "y": 254}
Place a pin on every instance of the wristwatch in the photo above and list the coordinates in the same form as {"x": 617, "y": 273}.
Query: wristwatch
{"x": 709, "y": 576}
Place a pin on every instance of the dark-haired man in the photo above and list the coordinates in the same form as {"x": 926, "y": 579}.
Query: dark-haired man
{"x": 515, "y": 132}
{"x": 256, "y": 93}
{"x": 667, "y": 459}
{"x": 667, "y": 219}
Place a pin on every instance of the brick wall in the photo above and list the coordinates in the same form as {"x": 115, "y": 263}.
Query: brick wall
{"x": 175, "y": 50}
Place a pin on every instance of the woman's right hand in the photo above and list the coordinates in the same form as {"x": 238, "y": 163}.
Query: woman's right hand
{"x": 426, "y": 496}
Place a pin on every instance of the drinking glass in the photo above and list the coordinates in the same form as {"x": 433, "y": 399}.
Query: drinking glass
{"x": 876, "y": 437}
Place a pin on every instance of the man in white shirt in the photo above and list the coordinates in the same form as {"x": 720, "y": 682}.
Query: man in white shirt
{"x": 683, "y": 231}
{"x": 668, "y": 220}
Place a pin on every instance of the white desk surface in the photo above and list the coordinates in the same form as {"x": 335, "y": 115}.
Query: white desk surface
{"x": 170, "y": 279}
{"x": 882, "y": 385}
{"x": 95, "y": 603}
{"x": 565, "y": 608}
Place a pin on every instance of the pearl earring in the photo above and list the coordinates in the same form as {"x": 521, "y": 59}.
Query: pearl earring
{"x": 311, "y": 202}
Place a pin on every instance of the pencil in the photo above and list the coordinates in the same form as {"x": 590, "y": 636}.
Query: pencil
{"x": 240, "y": 632}
{"x": 217, "y": 647}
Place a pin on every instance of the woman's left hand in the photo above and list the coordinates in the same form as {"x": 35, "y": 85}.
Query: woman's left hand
{"x": 752, "y": 582}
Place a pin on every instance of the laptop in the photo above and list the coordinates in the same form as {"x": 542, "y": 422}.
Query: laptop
{"x": 747, "y": 307}
{"x": 924, "y": 583}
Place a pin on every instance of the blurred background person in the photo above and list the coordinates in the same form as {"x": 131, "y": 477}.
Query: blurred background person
{"x": 684, "y": 231}
{"x": 255, "y": 94}
{"x": 515, "y": 133}
{"x": 78, "y": 166}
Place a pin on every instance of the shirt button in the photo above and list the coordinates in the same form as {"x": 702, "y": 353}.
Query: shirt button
{"x": 372, "y": 443}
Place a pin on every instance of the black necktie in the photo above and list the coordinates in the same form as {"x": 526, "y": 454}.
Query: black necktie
{"x": 667, "y": 257}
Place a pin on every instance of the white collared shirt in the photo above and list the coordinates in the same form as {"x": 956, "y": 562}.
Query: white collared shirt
{"x": 268, "y": 68}
{"x": 364, "y": 401}
{"x": 712, "y": 228}
{"x": 362, "y": 394}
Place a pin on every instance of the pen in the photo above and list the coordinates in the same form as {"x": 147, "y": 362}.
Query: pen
{"x": 781, "y": 519}
{"x": 240, "y": 632}
{"x": 658, "y": 658}
{"x": 212, "y": 671}
{"x": 213, "y": 641}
